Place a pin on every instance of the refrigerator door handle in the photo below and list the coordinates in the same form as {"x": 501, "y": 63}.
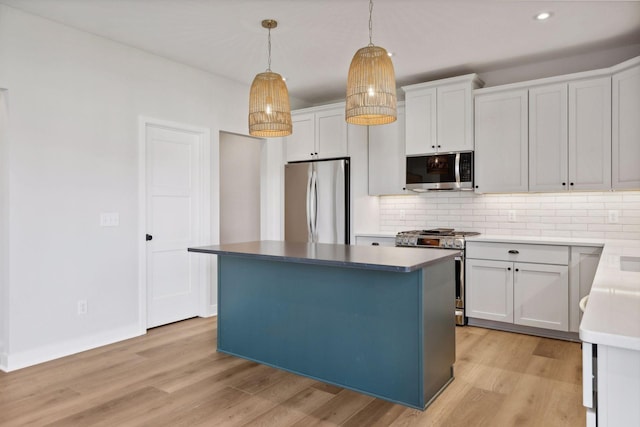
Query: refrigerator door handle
{"x": 308, "y": 217}
{"x": 315, "y": 206}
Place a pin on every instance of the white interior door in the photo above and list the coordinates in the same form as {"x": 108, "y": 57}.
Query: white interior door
{"x": 173, "y": 180}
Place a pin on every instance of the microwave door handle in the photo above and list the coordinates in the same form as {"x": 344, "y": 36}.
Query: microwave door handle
{"x": 457, "y": 170}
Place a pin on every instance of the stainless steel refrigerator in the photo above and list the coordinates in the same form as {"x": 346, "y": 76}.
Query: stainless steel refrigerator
{"x": 317, "y": 201}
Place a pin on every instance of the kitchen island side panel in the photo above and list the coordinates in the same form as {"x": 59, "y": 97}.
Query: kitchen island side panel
{"x": 438, "y": 325}
{"x": 360, "y": 329}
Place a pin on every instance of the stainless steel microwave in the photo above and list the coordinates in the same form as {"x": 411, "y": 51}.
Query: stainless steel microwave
{"x": 446, "y": 171}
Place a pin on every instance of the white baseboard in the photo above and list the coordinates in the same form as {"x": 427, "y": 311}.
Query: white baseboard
{"x": 12, "y": 362}
{"x": 3, "y": 362}
{"x": 211, "y": 310}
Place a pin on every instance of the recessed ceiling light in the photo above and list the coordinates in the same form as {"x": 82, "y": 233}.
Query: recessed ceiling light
{"x": 542, "y": 16}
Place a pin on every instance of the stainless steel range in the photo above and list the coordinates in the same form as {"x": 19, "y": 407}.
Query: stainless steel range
{"x": 442, "y": 238}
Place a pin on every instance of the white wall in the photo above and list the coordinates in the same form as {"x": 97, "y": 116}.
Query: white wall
{"x": 577, "y": 214}
{"x": 364, "y": 208}
{"x": 4, "y": 228}
{"x": 272, "y": 194}
{"x": 75, "y": 103}
{"x": 565, "y": 64}
{"x": 240, "y": 158}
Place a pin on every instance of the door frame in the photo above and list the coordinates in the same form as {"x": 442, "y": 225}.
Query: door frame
{"x": 204, "y": 139}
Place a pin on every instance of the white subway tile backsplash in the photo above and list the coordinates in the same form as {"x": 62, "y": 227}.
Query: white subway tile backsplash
{"x": 605, "y": 227}
{"x": 555, "y": 219}
{"x": 580, "y": 214}
{"x": 586, "y": 205}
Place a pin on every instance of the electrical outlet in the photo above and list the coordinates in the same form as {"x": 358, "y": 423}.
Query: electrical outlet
{"x": 614, "y": 216}
{"x": 401, "y": 213}
{"x": 512, "y": 216}
{"x": 82, "y": 306}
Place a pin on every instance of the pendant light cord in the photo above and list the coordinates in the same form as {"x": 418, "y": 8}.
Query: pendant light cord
{"x": 269, "y": 47}
{"x": 370, "y": 22}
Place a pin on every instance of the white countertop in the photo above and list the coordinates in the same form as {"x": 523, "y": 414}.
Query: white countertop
{"x": 566, "y": 241}
{"x": 612, "y": 315}
{"x": 376, "y": 234}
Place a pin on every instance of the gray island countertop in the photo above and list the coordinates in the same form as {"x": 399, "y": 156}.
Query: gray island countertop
{"x": 364, "y": 257}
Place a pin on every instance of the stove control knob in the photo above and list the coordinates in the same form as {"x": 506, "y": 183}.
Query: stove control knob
{"x": 458, "y": 243}
{"x": 446, "y": 243}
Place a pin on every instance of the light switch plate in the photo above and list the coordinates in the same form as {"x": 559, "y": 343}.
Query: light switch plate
{"x": 111, "y": 219}
{"x": 614, "y": 217}
{"x": 512, "y": 216}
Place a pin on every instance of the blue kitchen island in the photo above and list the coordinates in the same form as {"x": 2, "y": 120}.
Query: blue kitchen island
{"x": 377, "y": 320}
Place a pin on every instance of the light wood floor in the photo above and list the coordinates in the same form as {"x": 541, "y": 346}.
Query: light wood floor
{"x": 174, "y": 377}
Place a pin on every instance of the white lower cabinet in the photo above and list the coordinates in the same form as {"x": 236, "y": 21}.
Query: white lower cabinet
{"x": 376, "y": 240}
{"x": 489, "y": 290}
{"x": 541, "y": 296}
{"x": 611, "y": 385}
{"x": 520, "y": 284}
{"x": 520, "y": 293}
{"x": 582, "y": 270}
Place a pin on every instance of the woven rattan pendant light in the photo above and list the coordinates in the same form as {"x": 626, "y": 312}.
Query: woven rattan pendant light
{"x": 371, "y": 85}
{"x": 269, "y": 109}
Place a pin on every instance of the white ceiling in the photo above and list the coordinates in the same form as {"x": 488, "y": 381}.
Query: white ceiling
{"x": 316, "y": 39}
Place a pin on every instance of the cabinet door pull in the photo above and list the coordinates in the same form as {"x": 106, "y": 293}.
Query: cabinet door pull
{"x": 513, "y": 251}
{"x": 517, "y": 269}
{"x": 508, "y": 268}
{"x": 375, "y": 244}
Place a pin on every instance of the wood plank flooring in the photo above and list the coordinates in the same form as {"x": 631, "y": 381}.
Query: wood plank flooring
{"x": 173, "y": 376}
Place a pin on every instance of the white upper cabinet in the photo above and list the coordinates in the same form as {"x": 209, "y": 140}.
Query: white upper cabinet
{"x": 387, "y": 162}
{"x": 301, "y": 143}
{"x": 548, "y": 138}
{"x": 331, "y": 133}
{"x": 439, "y": 115}
{"x": 570, "y": 135}
{"x": 420, "y": 122}
{"x": 626, "y": 126}
{"x": 501, "y": 140}
{"x": 554, "y": 134}
{"x": 318, "y": 133}
{"x": 590, "y": 134}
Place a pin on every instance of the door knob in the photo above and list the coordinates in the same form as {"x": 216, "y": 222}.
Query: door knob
{"x": 149, "y": 237}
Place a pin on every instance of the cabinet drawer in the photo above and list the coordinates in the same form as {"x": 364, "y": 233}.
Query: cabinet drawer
{"x": 370, "y": 240}
{"x": 519, "y": 252}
